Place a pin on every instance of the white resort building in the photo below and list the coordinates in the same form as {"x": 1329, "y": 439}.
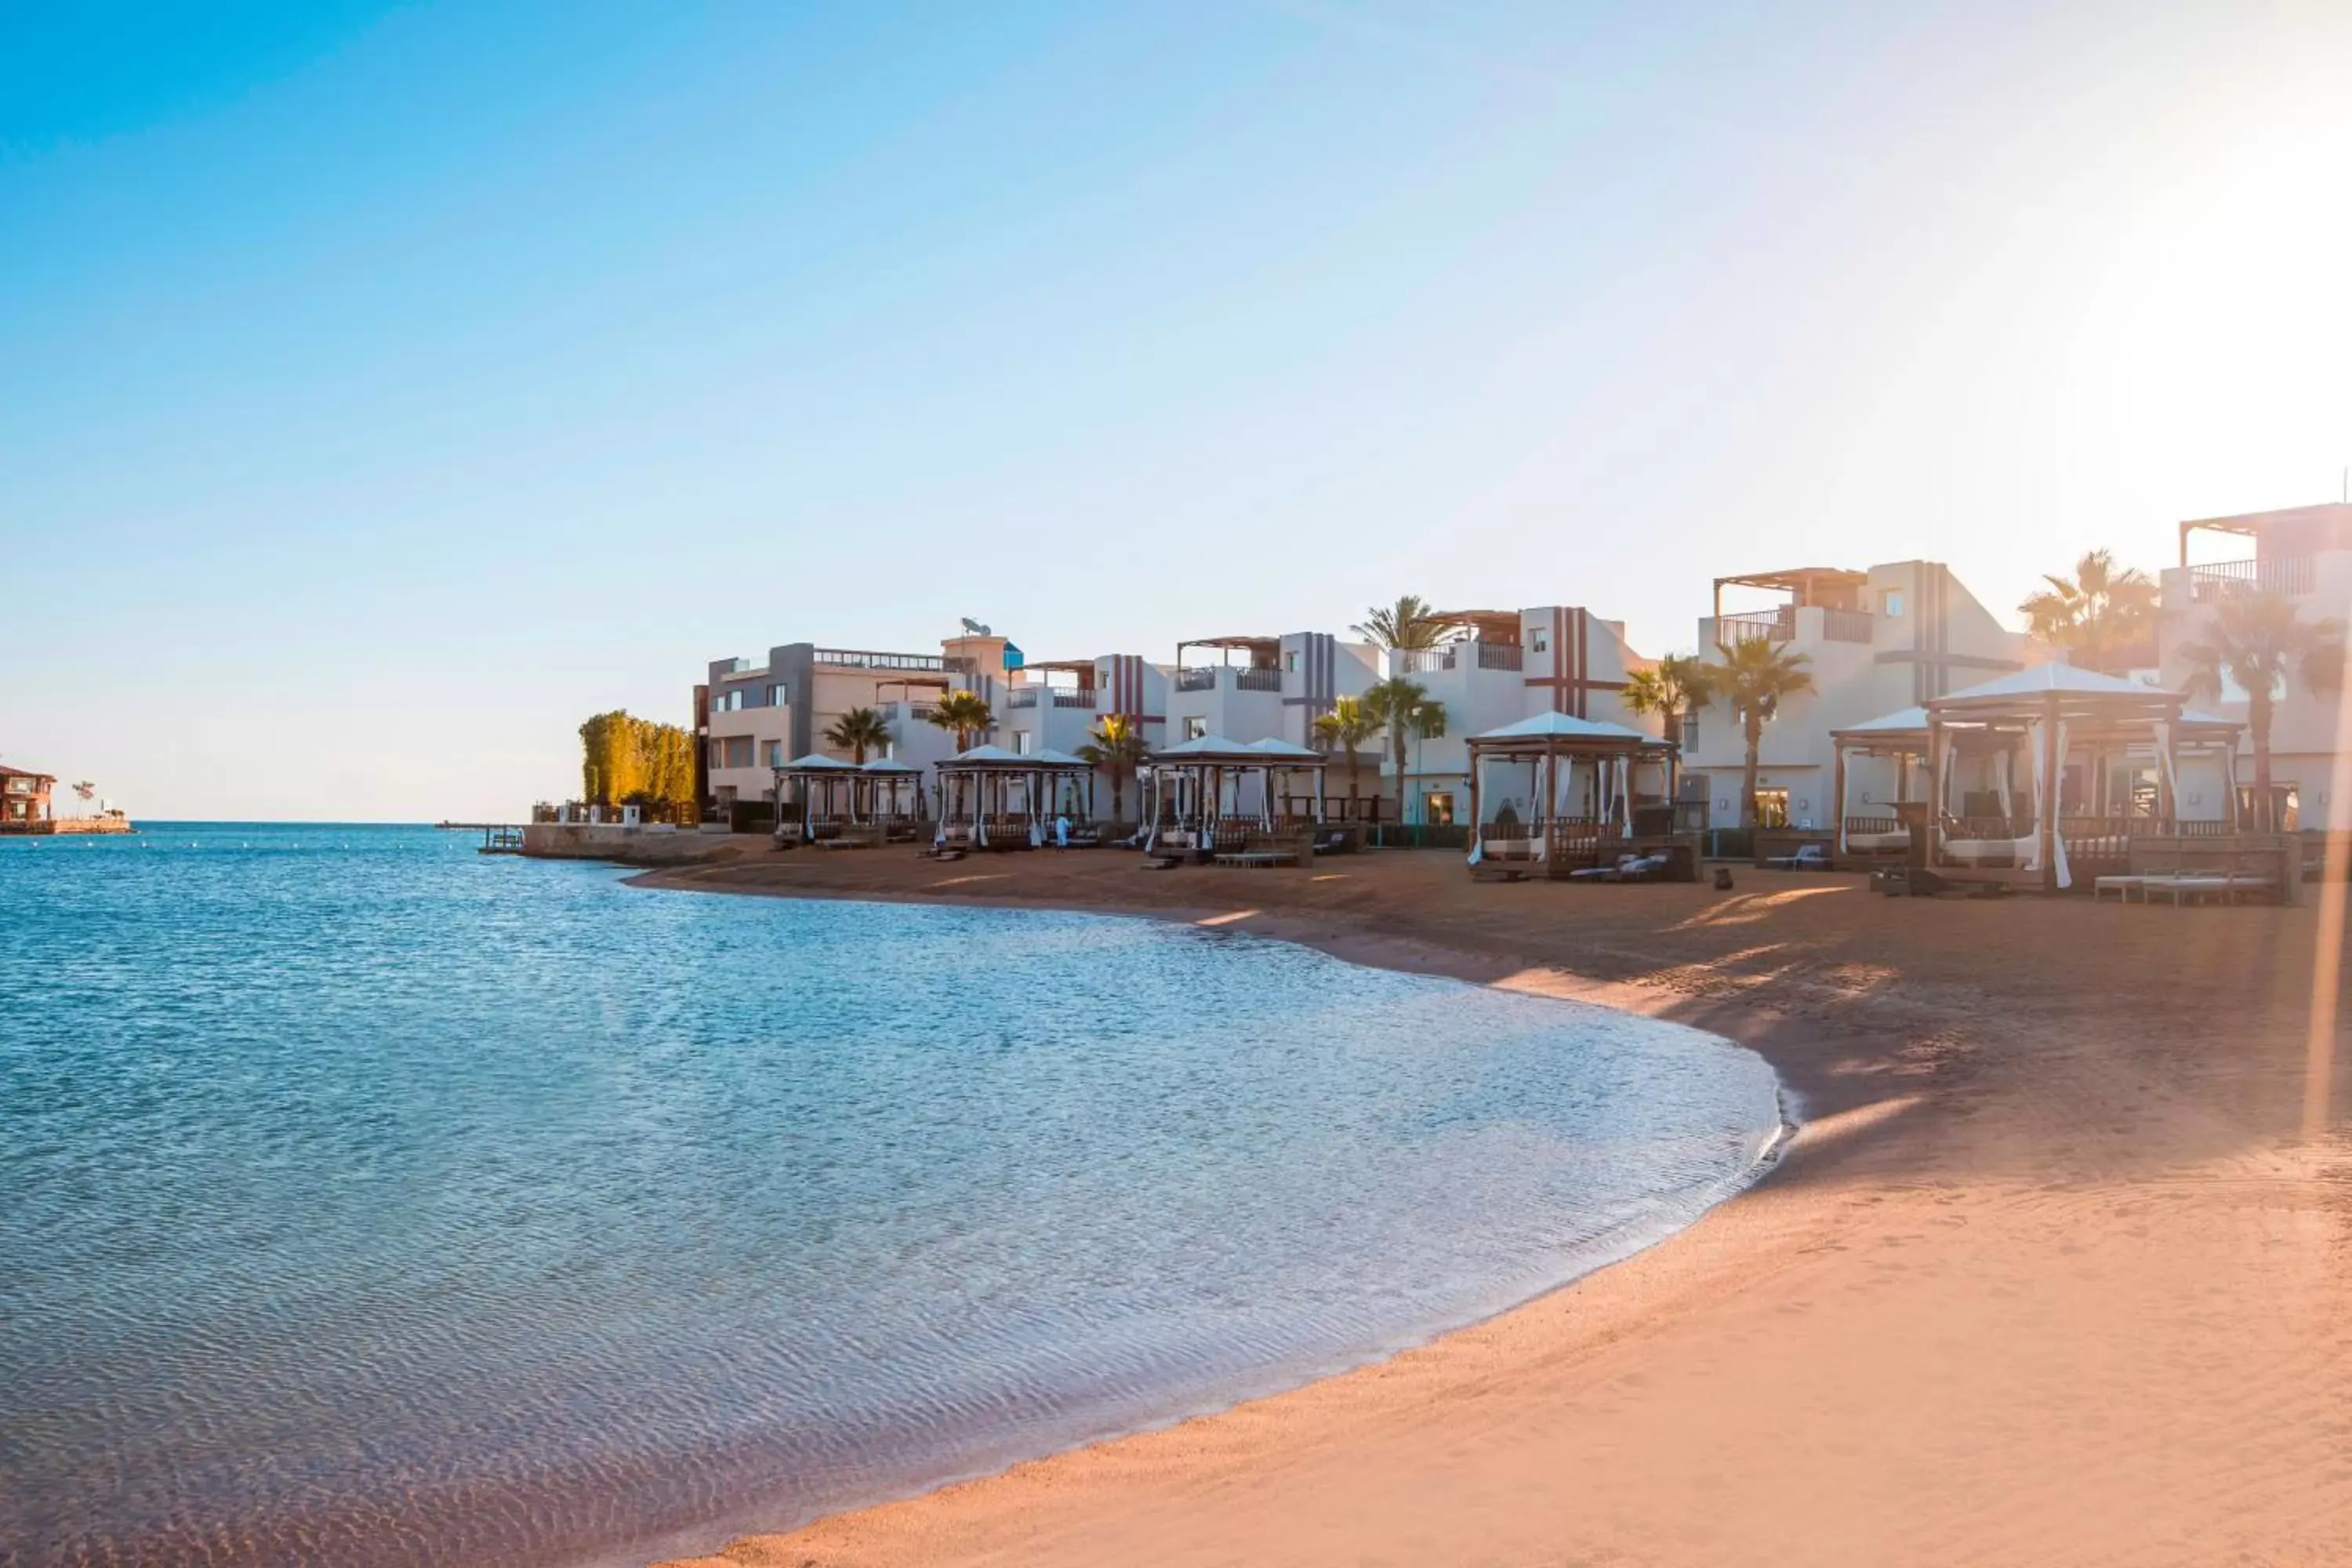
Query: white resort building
{"x": 2304, "y": 556}
{"x": 1500, "y": 666}
{"x": 1875, "y": 642}
{"x": 754, "y": 718}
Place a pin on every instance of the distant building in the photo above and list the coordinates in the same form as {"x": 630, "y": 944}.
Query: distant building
{"x": 25, "y": 800}
{"x": 2304, "y": 555}
{"x": 1875, "y": 642}
{"x": 1500, "y": 666}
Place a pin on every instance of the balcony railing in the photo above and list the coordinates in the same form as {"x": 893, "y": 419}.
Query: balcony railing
{"x": 859, "y": 658}
{"x": 1074, "y": 696}
{"x": 1501, "y": 655}
{"x": 1203, "y": 678}
{"x": 1022, "y": 696}
{"x": 1453, "y": 656}
{"x": 1846, "y": 626}
{"x": 1779, "y": 626}
{"x": 2291, "y": 575}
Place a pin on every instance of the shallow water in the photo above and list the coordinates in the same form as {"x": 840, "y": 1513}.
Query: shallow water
{"x": 366, "y": 1200}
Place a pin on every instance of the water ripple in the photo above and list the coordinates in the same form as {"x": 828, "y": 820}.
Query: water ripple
{"x": 370, "y": 1201}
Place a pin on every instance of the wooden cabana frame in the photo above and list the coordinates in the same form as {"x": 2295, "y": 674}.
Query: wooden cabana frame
{"x": 2053, "y": 714}
{"x": 1582, "y": 778}
{"x": 824, "y": 792}
{"x": 991, "y": 798}
{"x": 888, "y": 794}
{"x": 1197, "y": 789}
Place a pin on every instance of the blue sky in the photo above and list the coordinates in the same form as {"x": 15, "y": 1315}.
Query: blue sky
{"x": 383, "y": 389}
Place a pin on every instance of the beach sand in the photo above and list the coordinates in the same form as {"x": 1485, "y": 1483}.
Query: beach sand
{"x": 2051, "y": 1275}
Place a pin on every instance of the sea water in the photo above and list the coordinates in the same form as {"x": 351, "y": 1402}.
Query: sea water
{"x": 367, "y": 1200}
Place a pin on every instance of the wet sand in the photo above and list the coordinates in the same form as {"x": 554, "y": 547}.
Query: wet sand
{"x": 2051, "y": 1275}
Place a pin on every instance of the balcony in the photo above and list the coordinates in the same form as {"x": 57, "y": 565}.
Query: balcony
{"x": 1205, "y": 678}
{"x": 1057, "y": 696}
{"x": 2291, "y": 576}
{"x": 1788, "y": 624}
{"x": 1777, "y": 625}
{"x": 1847, "y": 625}
{"x": 1198, "y": 678}
{"x": 859, "y": 659}
{"x": 1464, "y": 654}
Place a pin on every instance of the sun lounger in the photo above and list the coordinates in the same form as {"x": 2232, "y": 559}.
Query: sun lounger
{"x": 1807, "y": 857}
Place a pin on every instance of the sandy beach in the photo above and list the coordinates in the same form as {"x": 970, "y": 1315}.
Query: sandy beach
{"x": 2050, "y": 1274}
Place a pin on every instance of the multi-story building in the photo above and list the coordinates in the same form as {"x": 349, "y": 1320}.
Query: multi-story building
{"x": 24, "y": 799}
{"x": 755, "y": 718}
{"x": 1055, "y": 706}
{"x": 2304, "y": 556}
{"x": 1874, "y": 641}
{"x": 1261, "y": 688}
{"x": 1503, "y": 666}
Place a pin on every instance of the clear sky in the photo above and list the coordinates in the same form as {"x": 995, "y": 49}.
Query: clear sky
{"x": 383, "y": 389}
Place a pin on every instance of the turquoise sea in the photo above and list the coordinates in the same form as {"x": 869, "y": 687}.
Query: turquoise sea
{"x": 365, "y": 1200}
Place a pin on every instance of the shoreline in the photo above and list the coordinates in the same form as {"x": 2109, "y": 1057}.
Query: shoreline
{"x": 1968, "y": 1144}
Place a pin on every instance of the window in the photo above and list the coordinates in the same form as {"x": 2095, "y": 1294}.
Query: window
{"x": 1290, "y": 662}
{"x": 1771, "y": 809}
{"x": 1195, "y": 728}
{"x": 1437, "y": 809}
{"x": 1890, "y": 604}
{"x": 775, "y": 753}
{"x": 1023, "y": 743}
{"x": 1539, "y": 639}
{"x": 739, "y": 752}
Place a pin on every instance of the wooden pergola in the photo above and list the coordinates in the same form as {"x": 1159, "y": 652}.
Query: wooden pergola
{"x": 2051, "y": 714}
{"x": 888, "y": 793}
{"x": 1901, "y": 736}
{"x": 1196, "y": 788}
{"x": 825, "y": 790}
{"x": 991, "y": 798}
{"x": 1576, "y": 808}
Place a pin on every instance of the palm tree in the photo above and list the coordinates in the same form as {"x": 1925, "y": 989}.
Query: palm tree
{"x": 1680, "y": 683}
{"x": 858, "y": 732}
{"x": 1404, "y": 709}
{"x": 1347, "y": 727}
{"x": 1115, "y": 747}
{"x": 1407, "y": 623}
{"x": 2257, "y": 640}
{"x": 2098, "y": 610}
{"x": 966, "y": 713}
{"x": 1755, "y": 675}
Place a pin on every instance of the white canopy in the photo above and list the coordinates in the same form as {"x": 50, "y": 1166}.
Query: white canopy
{"x": 818, "y": 763}
{"x": 1284, "y": 752}
{"x": 1566, "y": 727}
{"x": 885, "y": 765}
{"x": 1904, "y": 720}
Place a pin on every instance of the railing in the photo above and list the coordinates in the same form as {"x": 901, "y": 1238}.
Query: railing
{"x": 1022, "y": 696}
{"x": 1501, "y": 655}
{"x": 859, "y": 658}
{"x": 2287, "y": 574}
{"x": 1258, "y": 679}
{"x": 1419, "y": 660}
{"x": 1074, "y": 697}
{"x": 1748, "y": 626}
{"x": 920, "y": 712}
{"x": 1846, "y": 626}
{"x": 1197, "y": 679}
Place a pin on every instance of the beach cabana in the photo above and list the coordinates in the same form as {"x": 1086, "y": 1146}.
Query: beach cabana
{"x": 2073, "y": 735}
{"x": 822, "y": 797}
{"x": 1558, "y": 792}
{"x": 991, "y": 798}
{"x": 1198, "y": 788}
{"x": 1895, "y": 747}
{"x": 888, "y": 794}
